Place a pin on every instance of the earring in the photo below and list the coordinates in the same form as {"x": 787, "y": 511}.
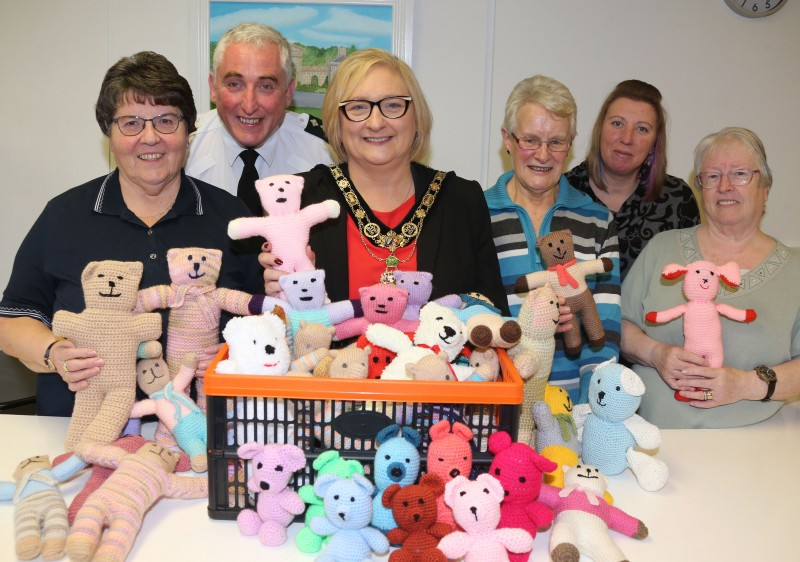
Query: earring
{"x": 508, "y": 151}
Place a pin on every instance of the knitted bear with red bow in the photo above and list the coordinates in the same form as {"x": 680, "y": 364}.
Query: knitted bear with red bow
{"x": 702, "y": 328}
{"x": 567, "y": 276}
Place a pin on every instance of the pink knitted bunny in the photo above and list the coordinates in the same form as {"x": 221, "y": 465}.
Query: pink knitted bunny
{"x": 272, "y": 467}
{"x": 286, "y": 225}
{"x": 702, "y": 329}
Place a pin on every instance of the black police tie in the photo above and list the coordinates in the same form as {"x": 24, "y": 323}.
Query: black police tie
{"x": 247, "y": 183}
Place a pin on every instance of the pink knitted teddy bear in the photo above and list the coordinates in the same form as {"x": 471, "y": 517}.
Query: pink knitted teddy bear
{"x": 476, "y": 507}
{"x": 702, "y": 329}
{"x": 272, "y": 466}
{"x": 286, "y": 226}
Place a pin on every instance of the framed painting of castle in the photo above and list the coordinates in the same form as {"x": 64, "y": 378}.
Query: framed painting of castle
{"x": 321, "y": 33}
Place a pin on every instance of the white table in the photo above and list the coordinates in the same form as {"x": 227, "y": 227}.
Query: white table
{"x": 733, "y": 494}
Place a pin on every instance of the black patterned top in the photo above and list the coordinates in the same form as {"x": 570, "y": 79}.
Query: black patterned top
{"x": 639, "y": 220}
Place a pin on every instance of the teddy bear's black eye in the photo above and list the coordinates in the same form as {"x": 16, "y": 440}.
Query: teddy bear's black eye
{"x": 618, "y": 389}
{"x": 550, "y": 244}
{"x": 352, "y": 499}
{"x": 408, "y": 461}
{"x": 522, "y": 480}
{"x": 372, "y": 298}
{"x": 376, "y": 359}
{"x": 697, "y": 271}
{"x": 405, "y": 504}
{"x": 281, "y": 190}
{"x": 100, "y": 275}
{"x": 486, "y": 490}
{"x": 203, "y": 258}
{"x": 279, "y": 468}
{"x": 390, "y": 299}
{"x": 189, "y": 257}
{"x": 336, "y": 497}
{"x": 421, "y": 501}
{"x": 313, "y": 279}
{"x": 387, "y": 457}
{"x": 259, "y": 465}
{"x": 416, "y": 282}
{"x": 497, "y": 471}
{"x": 440, "y": 459}
{"x": 465, "y": 458}
{"x": 120, "y": 277}
{"x": 462, "y": 493}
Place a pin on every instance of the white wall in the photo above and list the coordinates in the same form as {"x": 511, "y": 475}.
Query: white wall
{"x": 713, "y": 67}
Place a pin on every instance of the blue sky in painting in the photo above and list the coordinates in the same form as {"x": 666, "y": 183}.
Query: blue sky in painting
{"x": 321, "y": 25}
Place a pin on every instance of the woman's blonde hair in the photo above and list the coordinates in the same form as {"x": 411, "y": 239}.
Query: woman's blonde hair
{"x": 349, "y": 75}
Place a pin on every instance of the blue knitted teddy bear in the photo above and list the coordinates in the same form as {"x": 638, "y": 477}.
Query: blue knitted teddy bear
{"x": 348, "y": 510}
{"x": 396, "y": 462}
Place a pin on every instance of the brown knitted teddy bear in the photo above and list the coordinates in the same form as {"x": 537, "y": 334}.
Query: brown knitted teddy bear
{"x": 567, "y": 276}
{"x": 109, "y": 326}
{"x": 414, "y": 510}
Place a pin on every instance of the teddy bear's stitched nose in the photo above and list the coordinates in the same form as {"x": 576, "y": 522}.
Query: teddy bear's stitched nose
{"x": 269, "y": 349}
{"x": 264, "y": 486}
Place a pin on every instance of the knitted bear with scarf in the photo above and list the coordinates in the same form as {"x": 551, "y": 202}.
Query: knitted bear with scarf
{"x": 396, "y": 462}
{"x": 611, "y": 430}
{"x": 271, "y": 468}
{"x": 110, "y": 326}
{"x": 170, "y": 401}
{"x": 195, "y": 305}
{"x": 40, "y": 514}
{"x": 122, "y": 501}
{"x": 567, "y": 276}
{"x": 519, "y": 469}
{"x": 583, "y": 518}
{"x": 414, "y": 509}
{"x": 476, "y": 507}
{"x": 702, "y": 328}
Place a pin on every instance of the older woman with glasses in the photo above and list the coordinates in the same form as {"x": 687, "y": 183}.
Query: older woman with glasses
{"x": 761, "y": 359}
{"x": 399, "y": 214}
{"x": 534, "y": 198}
{"x": 143, "y": 208}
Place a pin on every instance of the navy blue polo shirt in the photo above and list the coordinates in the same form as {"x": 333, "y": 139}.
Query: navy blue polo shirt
{"x": 90, "y": 223}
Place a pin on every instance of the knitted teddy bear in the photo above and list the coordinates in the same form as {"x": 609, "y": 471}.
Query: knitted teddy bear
{"x": 350, "y": 362}
{"x": 328, "y": 462}
{"x": 518, "y": 469}
{"x": 414, "y": 509}
{"x": 533, "y": 355}
{"x": 272, "y": 466}
{"x": 121, "y": 502}
{"x": 583, "y": 518}
{"x": 449, "y": 455}
{"x": 195, "y": 305}
{"x": 381, "y": 304}
{"x": 611, "y": 429}
{"x": 256, "y": 346}
{"x": 396, "y": 462}
{"x": 431, "y": 368}
{"x": 347, "y": 503}
{"x": 419, "y": 285}
{"x": 556, "y": 432}
{"x": 476, "y": 507}
{"x": 170, "y": 402}
{"x": 702, "y": 328}
{"x": 110, "y": 327}
{"x": 485, "y": 364}
{"x": 567, "y": 276}
{"x": 311, "y": 336}
{"x": 40, "y": 514}
{"x": 286, "y": 226}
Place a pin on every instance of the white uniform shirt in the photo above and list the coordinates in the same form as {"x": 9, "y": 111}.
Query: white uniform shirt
{"x": 214, "y": 154}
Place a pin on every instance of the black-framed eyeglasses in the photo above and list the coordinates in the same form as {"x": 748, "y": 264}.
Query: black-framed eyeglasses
{"x": 131, "y": 125}
{"x": 393, "y": 107}
{"x": 711, "y": 180}
{"x": 533, "y": 143}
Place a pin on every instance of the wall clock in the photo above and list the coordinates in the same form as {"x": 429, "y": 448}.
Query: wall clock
{"x": 755, "y": 8}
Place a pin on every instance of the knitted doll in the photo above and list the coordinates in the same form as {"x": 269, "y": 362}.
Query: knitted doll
{"x": 382, "y": 304}
{"x": 170, "y": 401}
{"x": 567, "y": 276}
{"x": 419, "y": 285}
{"x": 519, "y": 470}
{"x": 347, "y": 503}
{"x": 120, "y": 504}
{"x": 556, "y": 432}
{"x": 449, "y": 455}
{"x": 40, "y": 514}
{"x": 583, "y": 518}
{"x": 329, "y": 462}
{"x": 533, "y": 355}
{"x": 256, "y": 346}
{"x": 414, "y": 509}
{"x": 611, "y": 429}
{"x": 286, "y": 226}
{"x": 195, "y": 305}
{"x": 110, "y": 327}
{"x": 273, "y": 465}
{"x": 396, "y": 462}
{"x": 702, "y": 328}
{"x": 476, "y": 507}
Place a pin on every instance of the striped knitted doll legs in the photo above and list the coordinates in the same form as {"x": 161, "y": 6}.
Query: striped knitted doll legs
{"x": 40, "y": 521}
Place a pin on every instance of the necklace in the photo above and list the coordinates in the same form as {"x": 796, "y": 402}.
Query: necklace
{"x": 390, "y": 240}
{"x": 158, "y": 214}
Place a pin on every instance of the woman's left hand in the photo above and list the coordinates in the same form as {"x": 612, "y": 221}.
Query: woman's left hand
{"x": 205, "y": 361}
{"x": 709, "y": 387}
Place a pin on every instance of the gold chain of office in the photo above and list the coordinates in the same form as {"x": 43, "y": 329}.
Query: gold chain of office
{"x": 391, "y": 240}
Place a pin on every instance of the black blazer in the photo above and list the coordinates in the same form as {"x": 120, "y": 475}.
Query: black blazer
{"x": 455, "y": 244}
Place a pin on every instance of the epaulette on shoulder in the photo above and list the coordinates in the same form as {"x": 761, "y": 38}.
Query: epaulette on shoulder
{"x": 314, "y": 127}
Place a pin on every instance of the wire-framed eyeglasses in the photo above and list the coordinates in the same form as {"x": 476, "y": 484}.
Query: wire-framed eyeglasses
{"x": 393, "y": 107}
{"x": 533, "y": 143}
{"x": 711, "y": 180}
{"x": 131, "y": 125}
